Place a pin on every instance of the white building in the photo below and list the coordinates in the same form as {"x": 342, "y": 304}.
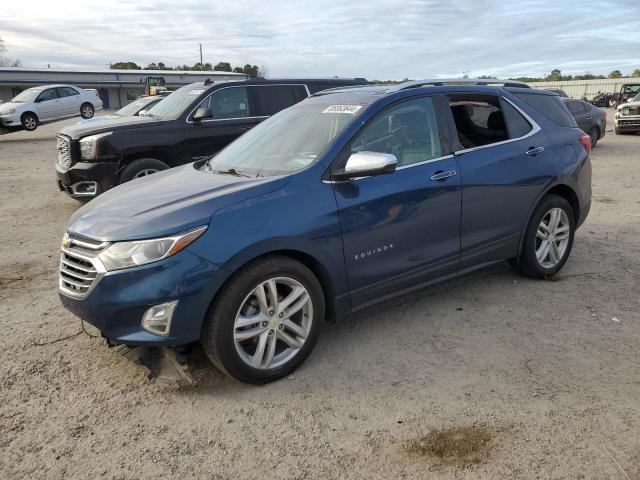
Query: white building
{"x": 116, "y": 87}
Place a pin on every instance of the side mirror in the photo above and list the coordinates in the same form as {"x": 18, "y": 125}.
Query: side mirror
{"x": 202, "y": 113}
{"x": 367, "y": 164}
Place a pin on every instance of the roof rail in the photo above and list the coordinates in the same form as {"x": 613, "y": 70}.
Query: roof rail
{"x": 439, "y": 82}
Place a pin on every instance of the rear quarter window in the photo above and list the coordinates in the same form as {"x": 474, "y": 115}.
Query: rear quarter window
{"x": 273, "y": 98}
{"x": 550, "y": 106}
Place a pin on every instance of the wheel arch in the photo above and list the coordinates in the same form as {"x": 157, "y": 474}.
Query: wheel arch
{"x": 562, "y": 190}
{"x": 129, "y": 158}
{"x": 32, "y": 113}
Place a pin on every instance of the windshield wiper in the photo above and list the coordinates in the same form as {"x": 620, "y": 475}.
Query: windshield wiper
{"x": 231, "y": 171}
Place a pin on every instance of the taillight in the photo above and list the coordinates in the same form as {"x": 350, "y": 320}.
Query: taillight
{"x": 585, "y": 140}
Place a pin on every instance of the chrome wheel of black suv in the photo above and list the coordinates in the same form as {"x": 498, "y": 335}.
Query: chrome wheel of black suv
{"x": 548, "y": 239}
{"x": 265, "y": 322}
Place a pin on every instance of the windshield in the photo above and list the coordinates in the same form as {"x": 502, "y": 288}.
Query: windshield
{"x": 174, "y": 104}
{"x": 134, "y": 107}
{"x": 284, "y": 143}
{"x": 26, "y": 96}
{"x": 636, "y": 98}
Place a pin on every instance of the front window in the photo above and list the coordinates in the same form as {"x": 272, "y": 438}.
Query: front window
{"x": 132, "y": 108}
{"x": 232, "y": 102}
{"x": 27, "y": 96}
{"x": 284, "y": 143}
{"x": 174, "y": 104}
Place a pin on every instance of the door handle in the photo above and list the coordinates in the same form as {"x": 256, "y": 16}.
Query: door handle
{"x": 589, "y": 118}
{"x": 533, "y": 151}
{"x": 441, "y": 175}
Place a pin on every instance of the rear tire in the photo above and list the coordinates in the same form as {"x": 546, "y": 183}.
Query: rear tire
{"x": 29, "y": 121}
{"x": 552, "y": 223}
{"x": 86, "y": 110}
{"x": 141, "y": 168}
{"x": 594, "y": 133}
{"x": 239, "y": 322}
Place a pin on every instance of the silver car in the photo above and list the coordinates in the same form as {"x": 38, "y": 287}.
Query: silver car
{"x": 48, "y": 103}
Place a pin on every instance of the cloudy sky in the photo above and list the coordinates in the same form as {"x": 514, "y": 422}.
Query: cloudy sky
{"x": 376, "y": 39}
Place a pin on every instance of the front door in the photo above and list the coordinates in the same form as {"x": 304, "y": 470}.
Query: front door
{"x": 232, "y": 114}
{"x": 48, "y": 105}
{"x": 400, "y": 230}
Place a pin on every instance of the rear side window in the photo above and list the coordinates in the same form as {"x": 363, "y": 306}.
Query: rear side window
{"x": 576, "y": 108}
{"x": 273, "y": 98}
{"x": 517, "y": 125}
{"x": 479, "y": 119}
{"x": 66, "y": 92}
{"x": 550, "y": 106}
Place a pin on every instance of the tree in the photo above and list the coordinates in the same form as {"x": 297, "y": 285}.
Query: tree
{"x": 223, "y": 67}
{"x": 636, "y": 73}
{"x": 7, "y": 62}
{"x": 554, "y": 76}
{"x": 125, "y": 66}
{"x": 615, "y": 74}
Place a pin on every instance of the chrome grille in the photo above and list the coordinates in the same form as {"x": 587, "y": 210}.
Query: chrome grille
{"x": 80, "y": 269}
{"x": 64, "y": 152}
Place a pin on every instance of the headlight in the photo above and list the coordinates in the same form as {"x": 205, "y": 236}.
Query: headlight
{"x": 89, "y": 146}
{"x": 7, "y": 112}
{"x": 139, "y": 252}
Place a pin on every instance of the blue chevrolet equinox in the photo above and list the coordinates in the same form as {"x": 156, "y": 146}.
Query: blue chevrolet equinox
{"x": 349, "y": 198}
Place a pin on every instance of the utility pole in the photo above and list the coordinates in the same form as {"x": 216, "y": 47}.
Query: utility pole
{"x": 200, "y": 56}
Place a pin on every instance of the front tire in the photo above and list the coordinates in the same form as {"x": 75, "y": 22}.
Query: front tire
{"x": 141, "y": 168}
{"x": 86, "y": 110}
{"x": 29, "y": 122}
{"x": 265, "y": 321}
{"x": 548, "y": 239}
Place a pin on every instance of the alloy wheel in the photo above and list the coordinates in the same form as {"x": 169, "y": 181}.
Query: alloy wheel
{"x": 30, "y": 123}
{"x": 145, "y": 172}
{"x": 552, "y": 237}
{"x": 87, "y": 112}
{"x": 273, "y": 323}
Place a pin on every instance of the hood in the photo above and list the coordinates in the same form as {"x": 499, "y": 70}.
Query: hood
{"x": 620, "y": 107}
{"x": 80, "y": 130}
{"x": 95, "y": 120}
{"x": 9, "y": 105}
{"x": 165, "y": 203}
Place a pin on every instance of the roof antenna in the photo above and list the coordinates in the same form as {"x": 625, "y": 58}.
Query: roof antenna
{"x": 208, "y": 81}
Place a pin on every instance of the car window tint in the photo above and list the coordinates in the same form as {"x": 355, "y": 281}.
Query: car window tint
{"x": 575, "y": 108}
{"x": 273, "y": 98}
{"x": 49, "y": 94}
{"x": 230, "y": 102}
{"x": 479, "y": 119}
{"x": 66, "y": 92}
{"x": 517, "y": 125}
{"x": 550, "y": 106}
{"x": 408, "y": 130}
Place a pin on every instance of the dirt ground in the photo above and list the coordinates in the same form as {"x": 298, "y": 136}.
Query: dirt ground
{"x": 489, "y": 376}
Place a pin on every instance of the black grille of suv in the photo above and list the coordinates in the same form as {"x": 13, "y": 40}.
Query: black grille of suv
{"x": 78, "y": 266}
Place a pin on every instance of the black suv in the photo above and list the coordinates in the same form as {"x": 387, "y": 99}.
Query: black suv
{"x": 192, "y": 123}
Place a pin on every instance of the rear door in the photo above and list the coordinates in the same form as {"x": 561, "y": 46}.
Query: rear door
{"x": 69, "y": 100}
{"x": 502, "y": 159}
{"x": 48, "y": 105}
{"x": 583, "y": 117}
{"x": 402, "y": 229}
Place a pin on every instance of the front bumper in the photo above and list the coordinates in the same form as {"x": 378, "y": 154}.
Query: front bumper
{"x": 628, "y": 124}
{"x": 10, "y": 120}
{"x": 73, "y": 181}
{"x": 117, "y": 302}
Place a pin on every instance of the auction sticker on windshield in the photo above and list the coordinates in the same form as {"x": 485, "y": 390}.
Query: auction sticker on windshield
{"x": 352, "y": 109}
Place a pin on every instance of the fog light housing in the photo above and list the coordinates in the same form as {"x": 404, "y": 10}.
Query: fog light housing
{"x": 157, "y": 319}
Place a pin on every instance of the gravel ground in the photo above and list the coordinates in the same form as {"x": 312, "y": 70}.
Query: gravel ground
{"x": 539, "y": 378}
